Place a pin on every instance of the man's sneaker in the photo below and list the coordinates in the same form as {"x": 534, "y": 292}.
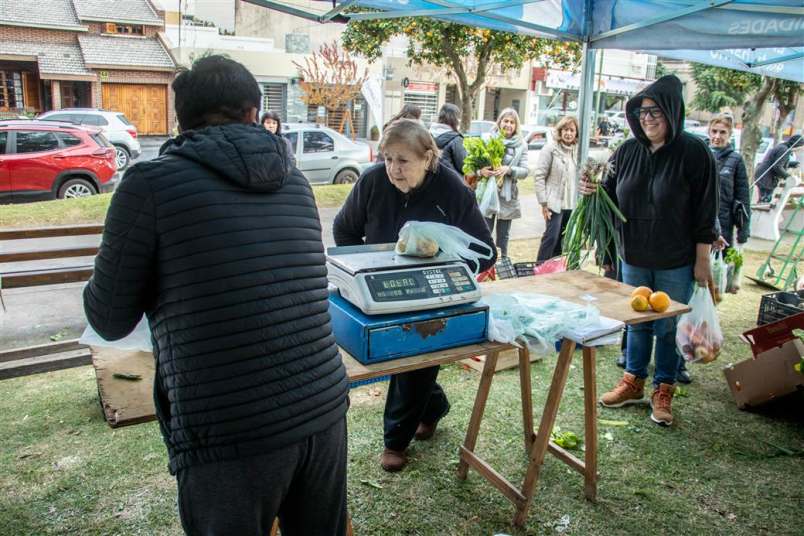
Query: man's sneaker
{"x": 630, "y": 390}
{"x": 683, "y": 376}
{"x": 393, "y": 460}
{"x": 660, "y": 404}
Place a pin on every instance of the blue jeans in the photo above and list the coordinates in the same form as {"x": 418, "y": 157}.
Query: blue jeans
{"x": 678, "y": 284}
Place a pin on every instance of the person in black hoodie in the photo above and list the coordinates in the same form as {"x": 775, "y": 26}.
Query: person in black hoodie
{"x": 665, "y": 183}
{"x": 218, "y": 242}
{"x": 411, "y": 185}
{"x": 448, "y": 139}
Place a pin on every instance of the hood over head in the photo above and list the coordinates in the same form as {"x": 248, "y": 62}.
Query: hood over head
{"x": 795, "y": 141}
{"x": 246, "y": 155}
{"x": 667, "y": 93}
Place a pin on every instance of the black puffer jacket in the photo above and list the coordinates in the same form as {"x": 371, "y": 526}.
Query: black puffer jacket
{"x": 221, "y": 247}
{"x": 670, "y": 197}
{"x": 773, "y": 167}
{"x": 733, "y": 190}
{"x": 450, "y": 142}
{"x": 376, "y": 210}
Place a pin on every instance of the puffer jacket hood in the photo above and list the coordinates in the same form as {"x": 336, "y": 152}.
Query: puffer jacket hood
{"x": 443, "y": 134}
{"x": 247, "y": 155}
{"x": 667, "y": 93}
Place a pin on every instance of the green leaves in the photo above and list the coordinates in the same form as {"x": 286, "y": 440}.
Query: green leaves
{"x": 480, "y": 154}
{"x": 734, "y": 257}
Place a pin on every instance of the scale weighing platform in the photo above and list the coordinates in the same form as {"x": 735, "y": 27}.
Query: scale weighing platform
{"x": 388, "y": 306}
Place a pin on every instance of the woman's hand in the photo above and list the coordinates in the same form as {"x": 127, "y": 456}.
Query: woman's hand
{"x": 486, "y": 172}
{"x": 703, "y": 269}
{"x": 502, "y": 171}
{"x": 720, "y": 244}
{"x": 586, "y": 188}
{"x": 546, "y": 213}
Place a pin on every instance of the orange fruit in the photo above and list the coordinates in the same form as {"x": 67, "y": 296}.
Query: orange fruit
{"x": 639, "y": 303}
{"x": 659, "y": 301}
{"x": 642, "y": 291}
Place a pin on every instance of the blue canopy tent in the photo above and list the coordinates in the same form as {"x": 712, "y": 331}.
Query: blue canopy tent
{"x": 761, "y": 36}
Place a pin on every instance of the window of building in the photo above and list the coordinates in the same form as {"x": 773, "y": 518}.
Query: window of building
{"x": 36, "y": 141}
{"x": 3, "y": 139}
{"x": 10, "y": 90}
{"x": 274, "y": 98}
{"x": 317, "y": 142}
{"x": 425, "y": 96}
{"x": 123, "y": 29}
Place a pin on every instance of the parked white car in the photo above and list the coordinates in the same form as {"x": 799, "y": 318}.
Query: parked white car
{"x": 115, "y": 126}
{"x": 325, "y": 156}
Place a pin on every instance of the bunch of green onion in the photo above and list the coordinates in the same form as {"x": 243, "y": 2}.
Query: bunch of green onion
{"x": 592, "y": 224}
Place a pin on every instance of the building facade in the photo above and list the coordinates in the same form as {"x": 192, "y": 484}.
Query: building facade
{"x": 87, "y": 53}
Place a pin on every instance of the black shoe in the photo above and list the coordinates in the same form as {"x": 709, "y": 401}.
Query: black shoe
{"x": 683, "y": 376}
{"x": 621, "y": 361}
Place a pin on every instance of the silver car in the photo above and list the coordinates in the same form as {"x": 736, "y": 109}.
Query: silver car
{"x": 325, "y": 156}
{"x": 115, "y": 126}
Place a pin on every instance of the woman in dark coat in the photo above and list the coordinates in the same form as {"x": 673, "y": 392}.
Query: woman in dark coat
{"x": 273, "y": 124}
{"x": 448, "y": 138}
{"x": 411, "y": 185}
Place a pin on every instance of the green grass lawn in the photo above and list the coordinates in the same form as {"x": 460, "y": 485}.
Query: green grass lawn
{"x": 93, "y": 209}
{"x": 718, "y": 471}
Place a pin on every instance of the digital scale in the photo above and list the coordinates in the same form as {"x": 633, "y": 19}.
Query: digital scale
{"x": 386, "y": 306}
{"x": 379, "y": 281}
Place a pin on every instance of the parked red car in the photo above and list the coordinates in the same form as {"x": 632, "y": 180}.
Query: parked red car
{"x": 53, "y": 160}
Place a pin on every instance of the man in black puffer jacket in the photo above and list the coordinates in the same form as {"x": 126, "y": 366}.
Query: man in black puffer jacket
{"x": 218, "y": 242}
{"x": 773, "y": 167}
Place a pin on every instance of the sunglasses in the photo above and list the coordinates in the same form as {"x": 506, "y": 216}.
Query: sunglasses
{"x": 643, "y": 112}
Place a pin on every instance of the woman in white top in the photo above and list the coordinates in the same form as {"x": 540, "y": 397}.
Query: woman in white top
{"x": 556, "y": 175}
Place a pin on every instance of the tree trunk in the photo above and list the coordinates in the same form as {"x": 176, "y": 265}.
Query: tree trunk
{"x": 787, "y": 102}
{"x": 752, "y": 109}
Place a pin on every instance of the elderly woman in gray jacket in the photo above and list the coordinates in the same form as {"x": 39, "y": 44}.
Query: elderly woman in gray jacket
{"x": 513, "y": 169}
{"x": 555, "y": 175}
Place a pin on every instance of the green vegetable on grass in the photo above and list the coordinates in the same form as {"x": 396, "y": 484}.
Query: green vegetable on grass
{"x": 592, "y": 224}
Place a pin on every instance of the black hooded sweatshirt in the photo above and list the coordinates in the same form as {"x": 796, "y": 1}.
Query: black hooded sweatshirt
{"x": 670, "y": 197}
{"x": 218, "y": 241}
{"x": 452, "y": 151}
{"x": 376, "y": 210}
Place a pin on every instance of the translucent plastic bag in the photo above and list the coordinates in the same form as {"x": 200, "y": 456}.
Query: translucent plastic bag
{"x": 416, "y": 236}
{"x": 698, "y": 336}
{"x": 137, "y": 340}
{"x": 536, "y": 320}
{"x": 551, "y": 266}
{"x": 720, "y": 274}
{"x": 490, "y": 200}
{"x": 734, "y": 261}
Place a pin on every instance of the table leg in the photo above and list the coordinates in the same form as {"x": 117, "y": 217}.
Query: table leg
{"x": 478, "y": 409}
{"x": 545, "y": 428}
{"x": 527, "y": 396}
{"x": 590, "y": 417}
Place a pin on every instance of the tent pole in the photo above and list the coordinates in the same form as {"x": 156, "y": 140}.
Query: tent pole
{"x": 585, "y": 101}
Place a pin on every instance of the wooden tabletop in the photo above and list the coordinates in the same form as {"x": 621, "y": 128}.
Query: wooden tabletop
{"x": 613, "y": 297}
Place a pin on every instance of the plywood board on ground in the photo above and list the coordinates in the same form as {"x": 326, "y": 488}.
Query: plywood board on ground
{"x": 124, "y": 401}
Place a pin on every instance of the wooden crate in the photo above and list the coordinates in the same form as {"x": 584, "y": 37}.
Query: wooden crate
{"x": 508, "y": 359}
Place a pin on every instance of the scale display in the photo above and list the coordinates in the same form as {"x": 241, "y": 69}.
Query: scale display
{"x": 419, "y": 284}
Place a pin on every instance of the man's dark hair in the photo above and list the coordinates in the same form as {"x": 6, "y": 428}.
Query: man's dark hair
{"x": 450, "y": 115}
{"x": 276, "y": 117}
{"x": 215, "y": 91}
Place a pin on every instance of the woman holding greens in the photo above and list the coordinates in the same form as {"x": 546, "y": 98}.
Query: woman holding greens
{"x": 555, "y": 178}
{"x": 664, "y": 182}
{"x": 514, "y": 168}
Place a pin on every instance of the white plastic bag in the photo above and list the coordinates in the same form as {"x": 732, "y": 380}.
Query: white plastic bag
{"x": 449, "y": 239}
{"x": 720, "y": 274}
{"x": 490, "y": 202}
{"x": 698, "y": 336}
{"x": 137, "y": 340}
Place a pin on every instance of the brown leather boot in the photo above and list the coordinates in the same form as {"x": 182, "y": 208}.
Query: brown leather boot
{"x": 425, "y": 431}
{"x": 393, "y": 460}
{"x": 630, "y": 390}
{"x": 660, "y": 404}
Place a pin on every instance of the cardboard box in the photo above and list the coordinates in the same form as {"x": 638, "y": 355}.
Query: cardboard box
{"x": 770, "y": 374}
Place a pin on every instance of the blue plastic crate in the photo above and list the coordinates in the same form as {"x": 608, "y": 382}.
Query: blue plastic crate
{"x": 361, "y": 383}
